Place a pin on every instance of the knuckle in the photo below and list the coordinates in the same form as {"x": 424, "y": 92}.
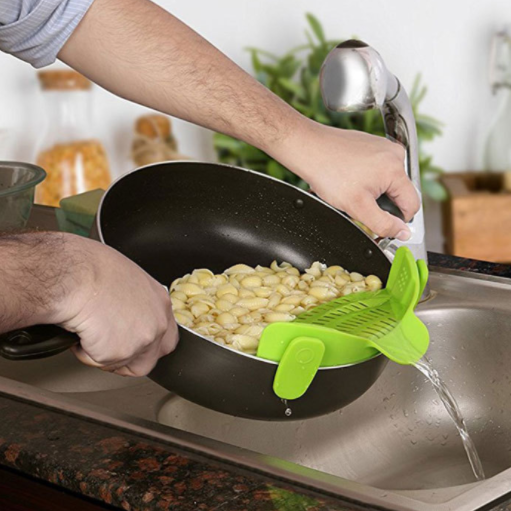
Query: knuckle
{"x": 147, "y": 338}
{"x": 358, "y": 197}
{"x": 142, "y": 368}
{"x": 124, "y": 352}
{"x": 411, "y": 199}
{"x": 105, "y": 357}
{"x": 392, "y": 161}
{"x": 138, "y": 372}
{"x": 162, "y": 324}
{"x": 167, "y": 349}
{"x": 399, "y": 150}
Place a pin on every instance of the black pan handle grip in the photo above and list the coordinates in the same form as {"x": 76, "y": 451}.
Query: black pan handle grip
{"x": 390, "y": 206}
{"x": 386, "y": 204}
{"x": 39, "y": 341}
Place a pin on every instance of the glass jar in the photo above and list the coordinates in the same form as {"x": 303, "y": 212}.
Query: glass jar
{"x": 154, "y": 141}
{"x": 497, "y": 154}
{"x": 74, "y": 159}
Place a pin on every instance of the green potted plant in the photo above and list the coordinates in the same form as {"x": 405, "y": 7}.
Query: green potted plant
{"x": 294, "y": 77}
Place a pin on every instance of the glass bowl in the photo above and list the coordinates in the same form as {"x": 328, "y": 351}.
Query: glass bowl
{"x": 17, "y": 186}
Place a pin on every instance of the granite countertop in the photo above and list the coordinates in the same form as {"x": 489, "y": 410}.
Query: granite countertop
{"x": 132, "y": 472}
{"x": 135, "y": 473}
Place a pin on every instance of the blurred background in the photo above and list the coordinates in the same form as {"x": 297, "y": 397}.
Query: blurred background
{"x": 440, "y": 51}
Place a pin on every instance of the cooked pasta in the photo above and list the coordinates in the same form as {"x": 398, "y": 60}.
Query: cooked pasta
{"x": 234, "y": 307}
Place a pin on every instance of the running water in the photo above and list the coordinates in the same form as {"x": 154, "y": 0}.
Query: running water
{"x": 450, "y": 404}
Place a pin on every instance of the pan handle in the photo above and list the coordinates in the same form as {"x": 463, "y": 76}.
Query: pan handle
{"x": 390, "y": 206}
{"x": 39, "y": 341}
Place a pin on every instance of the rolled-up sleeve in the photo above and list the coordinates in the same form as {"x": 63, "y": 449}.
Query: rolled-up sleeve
{"x": 36, "y": 30}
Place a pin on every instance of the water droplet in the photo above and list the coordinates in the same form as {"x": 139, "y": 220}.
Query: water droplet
{"x": 288, "y": 412}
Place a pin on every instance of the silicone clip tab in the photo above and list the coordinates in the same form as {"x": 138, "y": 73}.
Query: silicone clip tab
{"x": 298, "y": 367}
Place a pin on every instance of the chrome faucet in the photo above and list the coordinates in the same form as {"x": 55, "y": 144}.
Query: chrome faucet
{"x": 354, "y": 78}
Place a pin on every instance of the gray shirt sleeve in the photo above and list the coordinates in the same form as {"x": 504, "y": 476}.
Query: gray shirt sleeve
{"x": 36, "y": 30}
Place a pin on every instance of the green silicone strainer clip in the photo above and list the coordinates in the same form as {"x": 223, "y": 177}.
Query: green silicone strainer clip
{"x": 350, "y": 330}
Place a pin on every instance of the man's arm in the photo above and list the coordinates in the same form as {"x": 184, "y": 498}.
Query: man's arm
{"x": 142, "y": 53}
{"x": 36, "y": 275}
{"x": 122, "y": 315}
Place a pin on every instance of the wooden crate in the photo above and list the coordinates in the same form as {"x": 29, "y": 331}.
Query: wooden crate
{"x": 477, "y": 216}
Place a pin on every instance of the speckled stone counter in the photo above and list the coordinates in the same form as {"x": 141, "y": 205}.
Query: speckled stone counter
{"x": 132, "y": 472}
{"x": 470, "y": 265}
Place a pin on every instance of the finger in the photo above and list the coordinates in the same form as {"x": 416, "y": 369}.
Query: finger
{"x": 125, "y": 371}
{"x": 142, "y": 364}
{"x": 367, "y": 211}
{"x": 84, "y": 358}
{"x": 145, "y": 362}
{"x": 112, "y": 368}
{"x": 169, "y": 340}
{"x": 405, "y": 196}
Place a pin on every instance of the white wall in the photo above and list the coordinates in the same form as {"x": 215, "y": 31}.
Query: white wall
{"x": 446, "y": 40}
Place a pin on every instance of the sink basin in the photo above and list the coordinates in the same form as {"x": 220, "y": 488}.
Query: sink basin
{"x": 398, "y": 435}
{"x": 63, "y": 373}
{"x": 396, "y": 446}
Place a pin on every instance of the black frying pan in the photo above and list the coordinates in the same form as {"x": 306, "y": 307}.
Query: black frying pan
{"x": 172, "y": 218}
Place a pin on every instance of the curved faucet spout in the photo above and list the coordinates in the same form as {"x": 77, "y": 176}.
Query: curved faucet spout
{"x": 354, "y": 78}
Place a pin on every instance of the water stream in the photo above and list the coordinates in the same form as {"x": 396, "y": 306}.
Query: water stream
{"x": 450, "y": 404}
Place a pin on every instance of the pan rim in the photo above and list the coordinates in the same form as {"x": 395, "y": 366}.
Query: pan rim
{"x": 259, "y": 174}
{"x": 260, "y": 359}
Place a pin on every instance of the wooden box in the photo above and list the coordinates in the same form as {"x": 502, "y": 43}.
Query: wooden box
{"x": 477, "y": 216}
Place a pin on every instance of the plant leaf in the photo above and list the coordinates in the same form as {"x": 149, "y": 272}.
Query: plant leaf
{"x": 252, "y": 154}
{"x": 293, "y": 87}
{"x": 303, "y": 109}
{"x": 316, "y": 27}
{"x": 288, "y": 66}
{"x": 225, "y": 142}
{"x": 268, "y": 54}
{"x": 322, "y": 118}
{"x": 309, "y": 38}
{"x": 275, "y": 169}
{"x": 256, "y": 63}
{"x": 432, "y": 188}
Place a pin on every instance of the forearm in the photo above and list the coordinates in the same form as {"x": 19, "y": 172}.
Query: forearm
{"x": 38, "y": 273}
{"x": 138, "y": 51}
{"x": 141, "y": 52}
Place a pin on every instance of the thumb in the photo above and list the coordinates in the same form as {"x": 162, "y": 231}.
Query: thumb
{"x": 83, "y": 357}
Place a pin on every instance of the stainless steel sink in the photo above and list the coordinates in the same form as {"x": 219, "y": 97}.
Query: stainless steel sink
{"x": 396, "y": 446}
{"x": 63, "y": 373}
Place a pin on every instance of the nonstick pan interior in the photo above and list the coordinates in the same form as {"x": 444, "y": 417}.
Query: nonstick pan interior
{"x": 172, "y": 218}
